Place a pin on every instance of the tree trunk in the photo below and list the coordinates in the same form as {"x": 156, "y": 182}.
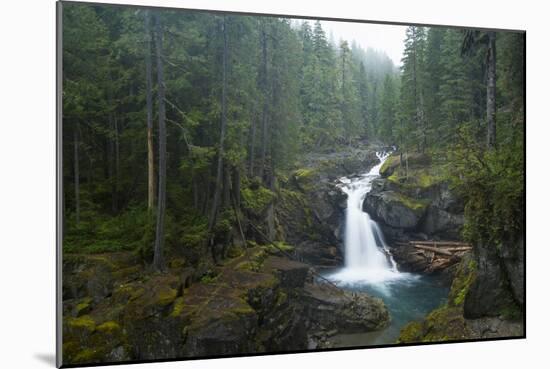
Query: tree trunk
{"x": 76, "y": 174}
{"x": 263, "y": 83}
{"x": 117, "y": 162}
{"x": 237, "y": 186}
{"x": 158, "y": 260}
{"x": 149, "y": 99}
{"x": 112, "y": 175}
{"x": 491, "y": 92}
{"x": 252, "y": 149}
{"x": 219, "y": 170}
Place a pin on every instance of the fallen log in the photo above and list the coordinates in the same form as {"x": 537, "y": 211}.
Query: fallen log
{"x": 441, "y": 243}
{"x": 434, "y": 249}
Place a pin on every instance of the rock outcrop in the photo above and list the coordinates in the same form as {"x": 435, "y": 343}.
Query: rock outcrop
{"x": 451, "y": 321}
{"x": 257, "y": 302}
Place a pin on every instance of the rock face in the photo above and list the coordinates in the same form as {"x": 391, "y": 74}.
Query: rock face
{"x": 499, "y": 286}
{"x": 452, "y": 322}
{"x": 394, "y": 209}
{"x": 256, "y": 302}
{"x": 311, "y": 207}
{"x": 343, "y": 311}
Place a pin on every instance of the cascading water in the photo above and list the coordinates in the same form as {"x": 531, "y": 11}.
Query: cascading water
{"x": 370, "y": 268}
{"x": 367, "y": 259}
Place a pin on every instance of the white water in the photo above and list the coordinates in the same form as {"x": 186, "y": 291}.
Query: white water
{"x": 367, "y": 259}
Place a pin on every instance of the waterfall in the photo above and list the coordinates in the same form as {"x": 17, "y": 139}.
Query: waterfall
{"x": 367, "y": 259}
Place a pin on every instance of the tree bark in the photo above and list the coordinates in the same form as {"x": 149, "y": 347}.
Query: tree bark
{"x": 252, "y": 149}
{"x": 491, "y": 92}
{"x": 76, "y": 174}
{"x": 149, "y": 102}
{"x": 219, "y": 170}
{"x": 158, "y": 259}
{"x": 263, "y": 84}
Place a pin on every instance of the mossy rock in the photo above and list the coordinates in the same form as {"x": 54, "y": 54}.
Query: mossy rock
{"x": 256, "y": 199}
{"x": 464, "y": 277}
{"x": 109, "y": 327}
{"x": 412, "y": 332}
{"x": 84, "y": 323}
{"x": 389, "y": 166}
{"x": 83, "y": 307}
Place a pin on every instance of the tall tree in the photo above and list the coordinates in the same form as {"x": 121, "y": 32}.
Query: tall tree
{"x": 158, "y": 258}
{"x": 223, "y": 125}
{"x": 149, "y": 103}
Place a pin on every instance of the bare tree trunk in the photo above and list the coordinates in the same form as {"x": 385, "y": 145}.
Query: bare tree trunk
{"x": 158, "y": 260}
{"x": 237, "y": 186}
{"x": 76, "y": 174}
{"x": 491, "y": 92}
{"x": 117, "y": 161}
{"x": 226, "y": 186}
{"x": 111, "y": 158}
{"x": 252, "y": 149}
{"x": 149, "y": 99}
{"x": 263, "y": 83}
{"x": 219, "y": 170}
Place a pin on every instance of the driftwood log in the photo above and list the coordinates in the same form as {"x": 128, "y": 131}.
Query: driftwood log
{"x": 437, "y": 255}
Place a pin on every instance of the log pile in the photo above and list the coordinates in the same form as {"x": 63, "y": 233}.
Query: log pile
{"x": 438, "y": 255}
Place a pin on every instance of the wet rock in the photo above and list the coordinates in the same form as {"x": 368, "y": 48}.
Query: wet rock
{"x": 291, "y": 274}
{"x": 394, "y": 209}
{"x": 328, "y": 309}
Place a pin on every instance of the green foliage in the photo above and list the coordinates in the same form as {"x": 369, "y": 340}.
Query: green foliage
{"x": 256, "y": 198}
{"x": 492, "y": 182}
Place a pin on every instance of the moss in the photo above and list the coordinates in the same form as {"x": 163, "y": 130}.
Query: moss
{"x": 304, "y": 178}
{"x": 412, "y": 332}
{"x": 256, "y": 199}
{"x": 248, "y": 265}
{"x": 177, "y": 308}
{"x": 282, "y": 297}
{"x": 445, "y": 323}
{"x": 389, "y": 166}
{"x": 511, "y": 312}
{"x": 83, "y": 307}
{"x": 87, "y": 356}
{"x": 279, "y": 247}
{"x": 109, "y": 327}
{"x": 464, "y": 277}
{"x": 410, "y": 203}
{"x": 165, "y": 296}
{"x": 84, "y": 322}
{"x": 176, "y": 263}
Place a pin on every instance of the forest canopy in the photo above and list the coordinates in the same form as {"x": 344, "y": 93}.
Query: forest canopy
{"x": 177, "y": 125}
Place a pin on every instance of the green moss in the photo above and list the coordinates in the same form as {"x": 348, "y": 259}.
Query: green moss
{"x": 87, "y": 356}
{"x": 282, "y": 297}
{"x": 256, "y": 199}
{"x": 412, "y": 332}
{"x": 304, "y": 177}
{"x": 84, "y": 322}
{"x": 511, "y": 312}
{"x": 83, "y": 307}
{"x": 109, "y": 327}
{"x": 166, "y": 295}
{"x": 279, "y": 247}
{"x": 389, "y": 165}
{"x": 176, "y": 263}
{"x": 410, "y": 202}
{"x": 464, "y": 277}
{"x": 177, "y": 308}
{"x": 248, "y": 265}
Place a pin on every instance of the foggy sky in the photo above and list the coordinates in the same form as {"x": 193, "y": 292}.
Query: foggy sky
{"x": 382, "y": 37}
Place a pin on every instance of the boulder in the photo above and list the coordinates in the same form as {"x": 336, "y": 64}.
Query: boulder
{"x": 328, "y": 308}
{"x": 394, "y": 209}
